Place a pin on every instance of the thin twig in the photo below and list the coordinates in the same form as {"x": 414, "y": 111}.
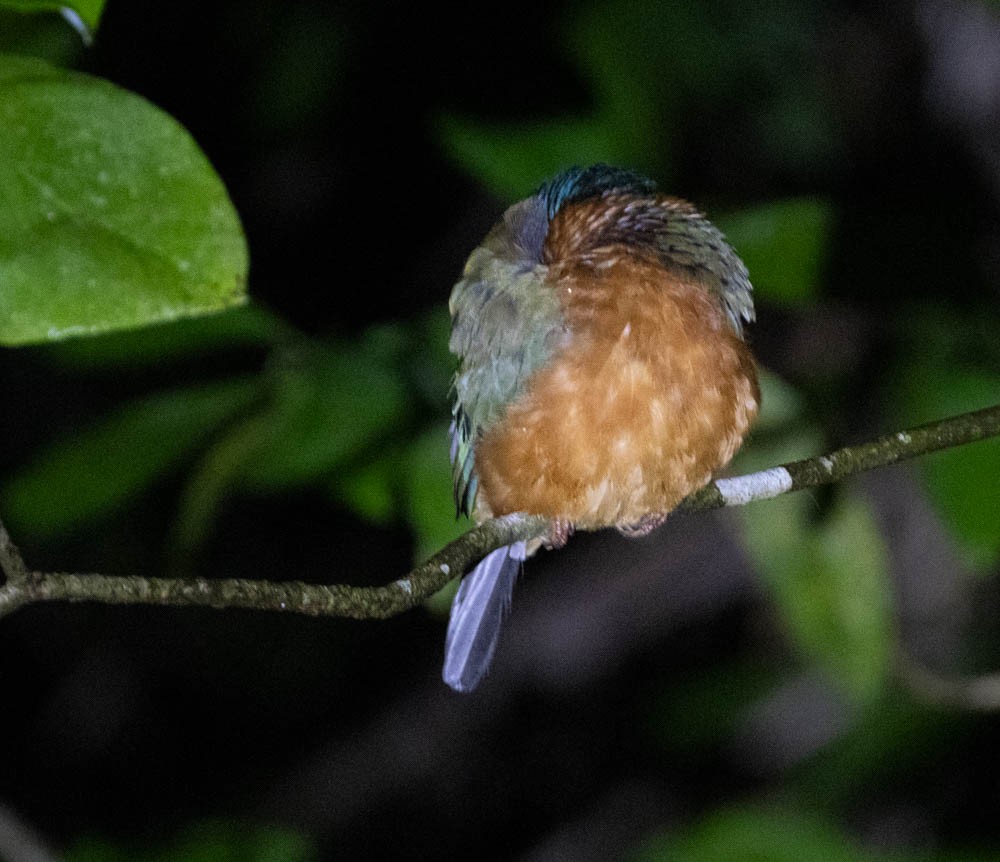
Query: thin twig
{"x": 24, "y": 586}
{"x": 825, "y": 469}
{"x": 337, "y": 600}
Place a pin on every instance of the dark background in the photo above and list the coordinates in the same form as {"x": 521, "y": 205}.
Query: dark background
{"x": 652, "y": 696}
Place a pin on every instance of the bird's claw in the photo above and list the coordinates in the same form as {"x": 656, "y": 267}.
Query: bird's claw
{"x": 559, "y": 534}
{"x": 644, "y": 527}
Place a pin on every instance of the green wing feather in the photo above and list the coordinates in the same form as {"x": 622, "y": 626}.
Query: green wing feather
{"x": 688, "y": 240}
{"x": 506, "y": 323}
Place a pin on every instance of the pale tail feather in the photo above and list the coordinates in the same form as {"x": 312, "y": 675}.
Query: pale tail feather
{"x": 477, "y": 614}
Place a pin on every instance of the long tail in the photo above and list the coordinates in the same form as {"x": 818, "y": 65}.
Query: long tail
{"x": 477, "y": 613}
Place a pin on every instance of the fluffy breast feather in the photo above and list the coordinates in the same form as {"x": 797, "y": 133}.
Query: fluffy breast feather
{"x": 651, "y": 395}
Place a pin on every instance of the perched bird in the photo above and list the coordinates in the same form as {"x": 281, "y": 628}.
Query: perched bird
{"x": 602, "y": 374}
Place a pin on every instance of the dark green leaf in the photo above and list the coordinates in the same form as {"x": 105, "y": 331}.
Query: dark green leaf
{"x": 245, "y": 326}
{"x": 78, "y": 12}
{"x": 650, "y": 68}
{"x": 781, "y": 404}
{"x": 511, "y": 161}
{"x": 701, "y": 713}
{"x": 784, "y": 245}
{"x": 110, "y": 215}
{"x": 371, "y": 490}
{"x": 43, "y": 36}
{"x": 964, "y": 482}
{"x": 206, "y": 842}
{"x": 430, "y": 506}
{"x": 757, "y": 835}
{"x": 891, "y": 737}
{"x": 331, "y": 415}
{"x": 628, "y": 124}
{"x": 327, "y": 408}
{"x": 102, "y": 466}
{"x": 831, "y": 582}
{"x": 431, "y": 365}
{"x": 213, "y": 477}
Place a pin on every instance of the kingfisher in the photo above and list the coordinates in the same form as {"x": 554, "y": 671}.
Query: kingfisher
{"x": 603, "y": 375}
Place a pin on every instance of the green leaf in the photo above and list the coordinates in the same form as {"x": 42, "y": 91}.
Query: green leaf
{"x": 964, "y": 482}
{"x": 334, "y": 415}
{"x": 657, "y": 76}
{"x": 43, "y": 36}
{"x": 830, "y": 580}
{"x": 784, "y": 245}
{"x": 213, "y": 841}
{"x": 327, "y": 409}
{"x": 212, "y": 478}
{"x": 78, "y": 12}
{"x": 248, "y": 326}
{"x": 702, "y": 713}
{"x": 757, "y": 835}
{"x": 781, "y": 404}
{"x": 414, "y": 480}
{"x": 430, "y": 505}
{"x": 512, "y": 160}
{"x": 98, "y": 469}
{"x": 373, "y": 489}
{"x": 891, "y": 738}
{"x": 628, "y": 125}
{"x": 110, "y": 215}
{"x": 431, "y": 366}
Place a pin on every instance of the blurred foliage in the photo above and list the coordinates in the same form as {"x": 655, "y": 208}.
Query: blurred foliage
{"x": 364, "y": 418}
{"x": 637, "y": 60}
{"x": 954, "y": 366}
{"x": 889, "y": 741}
{"x": 779, "y": 834}
{"x": 327, "y": 407}
{"x": 783, "y": 244}
{"x": 701, "y": 713}
{"x": 339, "y": 413}
{"x": 95, "y": 472}
{"x": 831, "y": 582}
{"x": 248, "y": 326}
{"x": 213, "y": 841}
{"x": 430, "y": 507}
{"x": 760, "y": 835}
{"x": 44, "y": 36}
{"x": 827, "y": 571}
{"x": 297, "y": 77}
{"x": 112, "y": 216}
{"x": 88, "y": 11}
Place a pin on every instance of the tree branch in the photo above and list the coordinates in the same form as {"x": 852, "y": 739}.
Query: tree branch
{"x": 338, "y": 600}
{"x": 849, "y": 461}
{"x": 24, "y": 586}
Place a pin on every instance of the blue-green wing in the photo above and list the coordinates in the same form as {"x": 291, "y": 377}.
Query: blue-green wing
{"x": 506, "y": 322}
{"x": 688, "y": 240}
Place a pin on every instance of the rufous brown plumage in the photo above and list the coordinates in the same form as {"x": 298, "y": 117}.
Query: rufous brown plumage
{"x": 603, "y": 375}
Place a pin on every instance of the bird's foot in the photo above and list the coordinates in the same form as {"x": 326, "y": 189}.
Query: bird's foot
{"x": 559, "y": 534}
{"x": 644, "y": 527}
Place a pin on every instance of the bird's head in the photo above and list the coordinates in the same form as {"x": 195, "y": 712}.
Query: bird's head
{"x": 599, "y": 211}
